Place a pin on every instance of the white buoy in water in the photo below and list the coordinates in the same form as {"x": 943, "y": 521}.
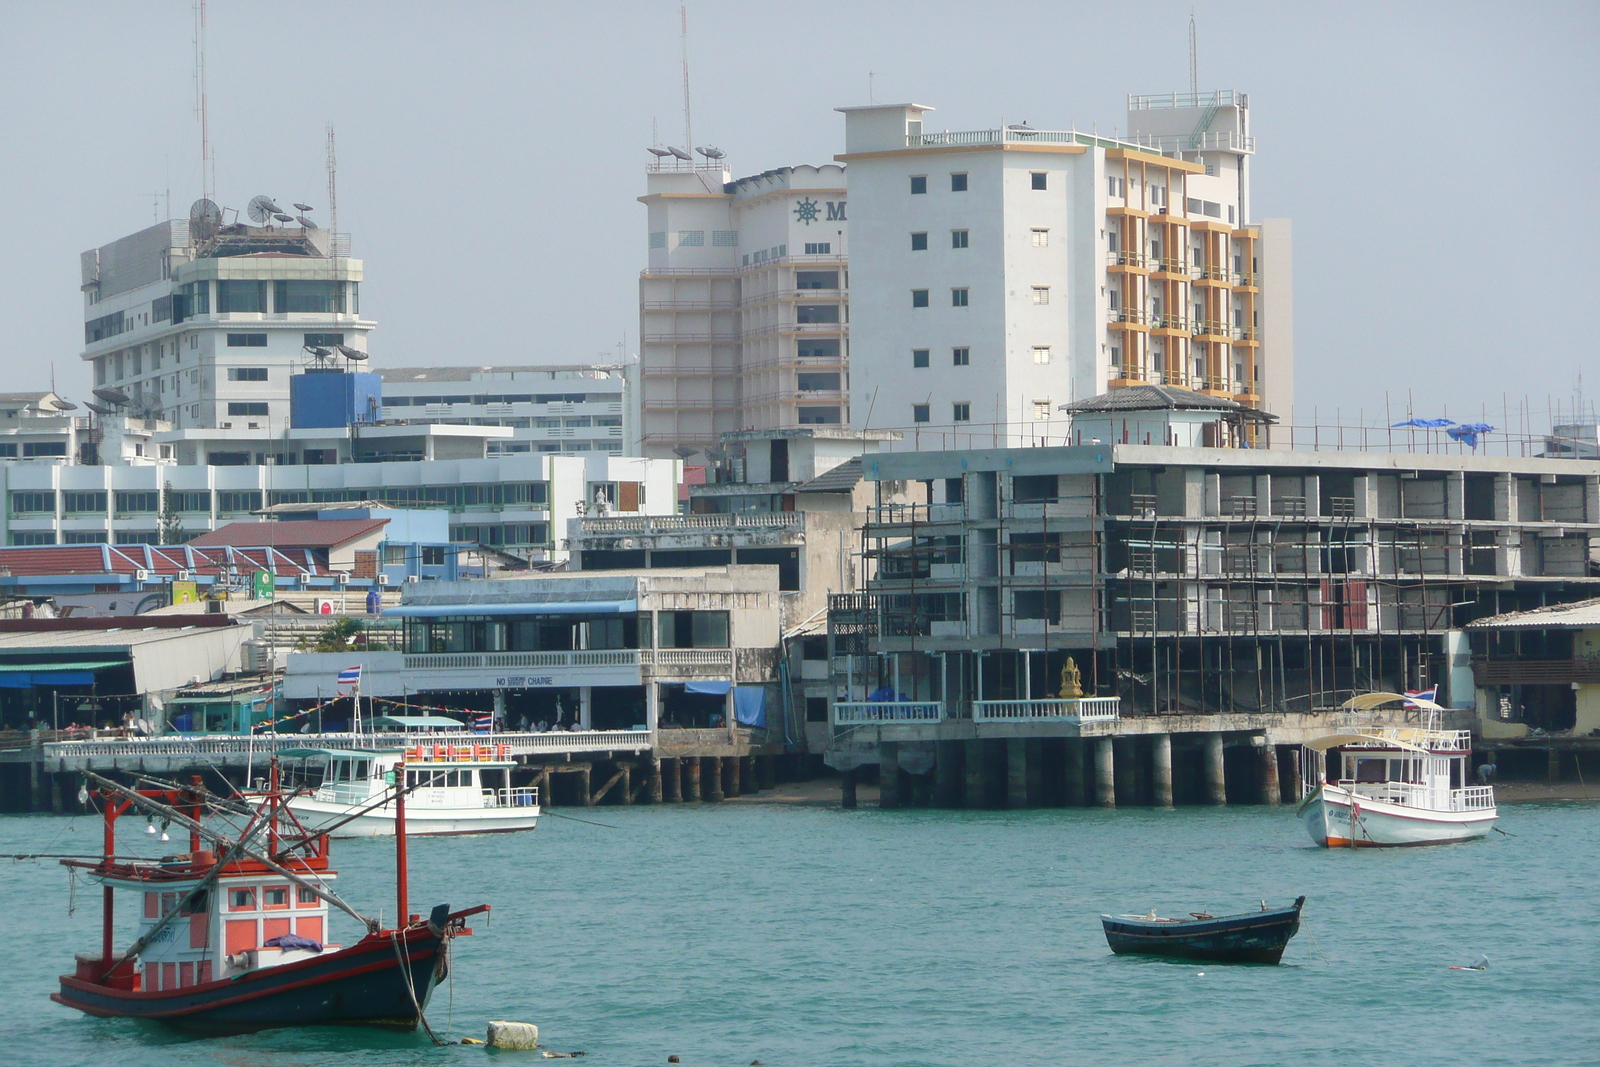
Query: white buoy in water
{"x": 504, "y": 1034}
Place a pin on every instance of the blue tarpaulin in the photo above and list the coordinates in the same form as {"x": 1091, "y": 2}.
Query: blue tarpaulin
{"x": 750, "y": 705}
{"x": 715, "y": 689}
{"x": 21, "y": 680}
{"x": 1425, "y": 424}
{"x": 1467, "y": 433}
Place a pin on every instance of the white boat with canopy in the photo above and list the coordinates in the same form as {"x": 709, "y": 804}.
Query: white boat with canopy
{"x": 454, "y": 789}
{"x": 1397, "y": 785}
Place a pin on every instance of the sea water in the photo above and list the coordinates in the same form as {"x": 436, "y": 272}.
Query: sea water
{"x": 725, "y": 934}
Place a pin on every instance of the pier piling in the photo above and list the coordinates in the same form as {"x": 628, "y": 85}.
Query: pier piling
{"x": 712, "y": 779}
{"x": 1072, "y": 772}
{"x": 1271, "y": 790}
{"x": 1105, "y": 782}
{"x": 673, "y": 780}
{"x": 1016, "y": 773}
{"x": 1216, "y": 779}
{"x": 889, "y": 774}
{"x": 1161, "y": 769}
{"x": 731, "y": 766}
{"x": 767, "y": 771}
{"x": 656, "y": 790}
{"x": 847, "y": 789}
{"x": 691, "y": 777}
{"x": 974, "y": 764}
{"x": 947, "y": 774}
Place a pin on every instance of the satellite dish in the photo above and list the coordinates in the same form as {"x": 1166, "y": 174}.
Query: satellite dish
{"x": 659, "y": 153}
{"x": 319, "y": 353}
{"x": 98, "y": 410}
{"x": 307, "y": 223}
{"x": 681, "y": 154}
{"x": 684, "y": 451}
{"x": 303, "y": 208}
{"x": 205, "y": 218}
{"x": 262, "y": 208}
{"x": 115, "y": 397}
{"x": 350, "y": 353}
{"x": 711, "y": 152}
{"x": 63, "y": 404}
{"x": 284, "y": 218}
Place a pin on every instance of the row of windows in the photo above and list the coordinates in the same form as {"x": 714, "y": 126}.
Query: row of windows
{"x": 503, "y": 398}
{"x": 33, "y": 449}
{"x": 507, "y": 533}
{"x": 958, "y": 297}
{"x": 148, "y": 502}
{"x": 960, "y": 411}
{"x": 958, "y": 182}
{"x": 962, "y": 357}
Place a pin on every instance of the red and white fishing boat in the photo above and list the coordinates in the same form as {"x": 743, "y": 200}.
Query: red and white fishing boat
{"x": 233, "y": 937}
{"x": 1397, "y": 785}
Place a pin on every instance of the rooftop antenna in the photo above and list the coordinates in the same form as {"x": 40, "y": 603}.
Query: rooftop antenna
{"x": 1194, "y": 70}
{"x": 333, "y": 199}
{"x": 683, "y": 15}
{"x": 870, "y": 98}
{"x": 208, "y": 165}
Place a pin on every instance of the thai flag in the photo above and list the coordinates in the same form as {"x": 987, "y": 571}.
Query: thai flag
{"x": 483, "y": 724}
{"x": 350, "y": 678}
{"x": 1414, "y": 695}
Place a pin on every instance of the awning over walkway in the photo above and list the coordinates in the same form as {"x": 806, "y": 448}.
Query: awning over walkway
{"x": 546, "y": 607}
{"x": 72, "y": 672}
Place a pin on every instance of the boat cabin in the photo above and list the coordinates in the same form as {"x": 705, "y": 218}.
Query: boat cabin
{"x": 445, "y": 776}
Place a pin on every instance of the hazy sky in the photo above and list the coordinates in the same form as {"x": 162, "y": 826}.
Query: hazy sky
{"x": 1438, "y": 160}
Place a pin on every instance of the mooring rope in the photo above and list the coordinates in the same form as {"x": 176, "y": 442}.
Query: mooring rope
{"x": 411, "y": 989}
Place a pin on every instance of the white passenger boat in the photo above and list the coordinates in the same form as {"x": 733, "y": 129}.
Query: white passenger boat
{"x": 455, "y": 789}
{"x": 1396, "y": 786}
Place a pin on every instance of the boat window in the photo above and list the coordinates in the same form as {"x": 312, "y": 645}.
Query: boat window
{"x": 341, "y": 771}
{"x": 275, "y": 896}
{"x": 307, "y": 896}
{"x": 241, "y": 899}
{"x": 363, "y": 769}
{"x": 167, "y": 902}
{"x": 198, "y": 904}
{"x": 1371, "y": 770}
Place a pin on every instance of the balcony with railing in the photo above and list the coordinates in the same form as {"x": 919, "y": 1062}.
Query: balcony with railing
{"x": 879, "y": 712}
{"x": 673, "y": 524}
{"x": 1074, "y": 709}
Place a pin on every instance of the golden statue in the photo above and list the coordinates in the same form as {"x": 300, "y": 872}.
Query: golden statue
{"x": 1071, "y": 681}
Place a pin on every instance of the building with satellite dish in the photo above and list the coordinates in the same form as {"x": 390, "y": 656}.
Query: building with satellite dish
{"x": 743, "y": 306}
{"x": 200, "y": 322}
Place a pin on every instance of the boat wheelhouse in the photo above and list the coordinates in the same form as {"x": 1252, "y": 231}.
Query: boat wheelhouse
{"x": 454, "y": 789}
{"x": 1396, "y": 785}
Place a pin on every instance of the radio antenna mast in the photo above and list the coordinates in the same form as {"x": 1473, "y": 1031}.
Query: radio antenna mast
{"x": 208, "y": 166}
{"x": 1194, "y": 74}
{"x": 688, "y": 131}
{"x": 333, "y": 197}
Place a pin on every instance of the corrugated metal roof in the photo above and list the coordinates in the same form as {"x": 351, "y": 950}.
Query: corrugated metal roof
{"x": 296, "y": 533}
{"x": 1153, "y": 398}
{"x": 50, "y": 640}
{"x": 840, "y": 479}
{"x": 1580, "y": 615}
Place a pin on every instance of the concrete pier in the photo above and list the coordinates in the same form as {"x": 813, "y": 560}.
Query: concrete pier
{"x": 1161, "y": 769}
{"x": 1016, "y": 773}
{"x": 1072, "y": 772}
{"x": 657, "y": 788}
{"x": 691, "y": 777}
{"x": 711, "y": 779}
{"x": 1216, "y": 777}
{"x": 1105, "y": 781}
{"x": 673, "y": 769}
{"x": 889, "y": 774}
{"x": 1271, "y": 791}
{"x": 847, "y": 789}
{"x": 1124, "y": 773}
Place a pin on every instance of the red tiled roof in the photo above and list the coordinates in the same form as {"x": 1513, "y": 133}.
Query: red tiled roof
{"x": 297, "y": 533}
{"x": 166, "y": 560}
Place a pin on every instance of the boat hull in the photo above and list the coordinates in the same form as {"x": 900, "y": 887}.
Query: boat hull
{"x": 363, "y": 985}
{"x": 420, "y": 821}
{"x": 1257, "y": 937}
{"x": 1337, "y": 818}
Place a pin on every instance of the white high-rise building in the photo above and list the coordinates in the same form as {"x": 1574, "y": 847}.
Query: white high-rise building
{"x": 1000, "y": 274}
{"x": 202, "y": 327}
{"x": 743, "y": 308}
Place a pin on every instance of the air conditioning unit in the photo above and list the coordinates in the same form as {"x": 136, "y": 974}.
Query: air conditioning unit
{"x": 341, "y": 577}
{"x": 383, "y": 579}
{"x": 184, "y": 576}
{"x": 413, "y": 578}
{"x": 141, "y": 575}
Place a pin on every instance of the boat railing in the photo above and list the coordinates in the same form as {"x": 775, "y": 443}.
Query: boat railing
{"x": 518, "y": 796}
{"x": 1428, "y": 798}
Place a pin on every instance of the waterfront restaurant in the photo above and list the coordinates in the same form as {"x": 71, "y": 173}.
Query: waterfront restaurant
{"x": 595, "y": 651}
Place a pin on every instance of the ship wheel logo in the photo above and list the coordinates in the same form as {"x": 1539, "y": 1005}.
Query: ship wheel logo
{"x": 806, "y": 211}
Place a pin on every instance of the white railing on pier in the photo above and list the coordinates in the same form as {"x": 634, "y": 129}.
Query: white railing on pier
{"x": 1073, "y": 709}
{"x": 518, "y": 796}
{"x": 262, "y": 746}
{"x": 1426, "y": 798}
{"x": 682, "y": 523}
{"x": 617, "y": 657}
{"x": 873, "y": 712}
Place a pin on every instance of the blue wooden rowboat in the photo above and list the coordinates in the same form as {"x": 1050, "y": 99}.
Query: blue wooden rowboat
{"x": 1252, "y": 937}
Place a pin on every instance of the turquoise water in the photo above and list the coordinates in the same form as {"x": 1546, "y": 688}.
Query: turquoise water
{"x": 726, "y": 934}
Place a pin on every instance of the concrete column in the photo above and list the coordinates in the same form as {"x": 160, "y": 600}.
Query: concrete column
{"x": 730, "y": 774}
{"x": 691, "y": 777}
{"x": 499, "y": 709}
{"x": 587, "y": 785}
{"x": 1016, "y": 772}
{"x": 747, "y": 775}
{"x": 889, "y": 774}
{"x": 1296, "y": 779}
{"x": 1072, "y": 773}
{"x": 947, "y": 774}
{"x": 975, "y": 793}
{"x": 1123, "y": 774}
{"x": 1216, "y": 781}
{"x": 1161, "y": 769}
{"x": 711, "y": 779}
{"x": 847, "y": 789}
{"x": 1105, "y": 781}
{"x": 673, "y": 769}
{"x": 55, "y": 794}
{"x": 1271, "y": 791}
{"x": 767, "y": 772}
{"x": 626, "y": 783}
{"x": 584, "y": 704}
{"x": 1553, "y": 765}
{"x": 1035, "y": 774}
{"x": 656, "y": 790}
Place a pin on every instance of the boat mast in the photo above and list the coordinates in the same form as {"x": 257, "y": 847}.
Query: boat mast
{"x": 106, "y": 890}
{"x": 400, "y": 844}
